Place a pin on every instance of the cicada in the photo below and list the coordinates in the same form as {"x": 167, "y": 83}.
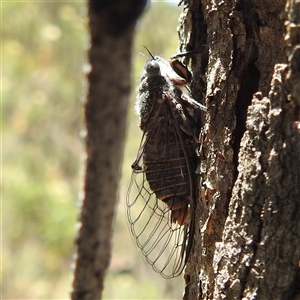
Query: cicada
{"x": 161, "y": 194}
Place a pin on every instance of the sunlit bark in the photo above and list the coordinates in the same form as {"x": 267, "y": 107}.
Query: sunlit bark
{"x": 248, "y": 214}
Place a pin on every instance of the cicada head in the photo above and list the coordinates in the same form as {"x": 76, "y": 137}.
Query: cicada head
{"x": 159, "y": 78}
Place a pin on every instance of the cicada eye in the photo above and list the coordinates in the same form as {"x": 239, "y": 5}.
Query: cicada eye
{"x": 181, "y": 70}
{"x": 152, "y": 68}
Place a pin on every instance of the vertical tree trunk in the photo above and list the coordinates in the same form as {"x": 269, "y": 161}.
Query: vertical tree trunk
{"x": 111, "y": 27}
{"x": 247, "y": 245}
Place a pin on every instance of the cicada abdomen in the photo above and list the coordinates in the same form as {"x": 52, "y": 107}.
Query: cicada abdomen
{"x": 161, "y": 194}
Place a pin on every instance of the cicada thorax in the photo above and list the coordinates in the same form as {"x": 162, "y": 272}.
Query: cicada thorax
{"x": 161, "y": 193}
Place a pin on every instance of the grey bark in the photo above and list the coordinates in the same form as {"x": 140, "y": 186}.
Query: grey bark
{"x": 111, "y": 25}
{"x": 247, "y": 244}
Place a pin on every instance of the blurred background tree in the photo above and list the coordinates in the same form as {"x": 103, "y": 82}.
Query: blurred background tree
{"x": 43, "y": 87}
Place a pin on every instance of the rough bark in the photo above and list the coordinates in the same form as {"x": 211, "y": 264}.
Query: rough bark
{"x": 247, "y": 244}
{"x": 111, "y": 26}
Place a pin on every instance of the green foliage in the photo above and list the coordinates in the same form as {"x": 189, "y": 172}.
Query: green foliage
{"x": 44, "y": 52}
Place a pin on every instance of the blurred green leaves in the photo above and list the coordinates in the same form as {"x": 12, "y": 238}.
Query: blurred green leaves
{"x": 42, "y": 55}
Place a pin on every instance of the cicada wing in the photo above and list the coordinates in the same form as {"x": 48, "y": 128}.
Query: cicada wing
{"x": 162, "y": 241}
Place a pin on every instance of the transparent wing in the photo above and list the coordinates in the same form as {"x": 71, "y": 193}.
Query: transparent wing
{"x": 162, "y": 242}
{"x": 159, "y": 208}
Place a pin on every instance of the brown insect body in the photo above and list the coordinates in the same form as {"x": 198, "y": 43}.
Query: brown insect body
{"x": 165, "y": 167}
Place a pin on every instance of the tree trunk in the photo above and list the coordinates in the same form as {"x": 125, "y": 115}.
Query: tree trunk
{"x": 247, "y": 244}
{"x": 111, "y": 27}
